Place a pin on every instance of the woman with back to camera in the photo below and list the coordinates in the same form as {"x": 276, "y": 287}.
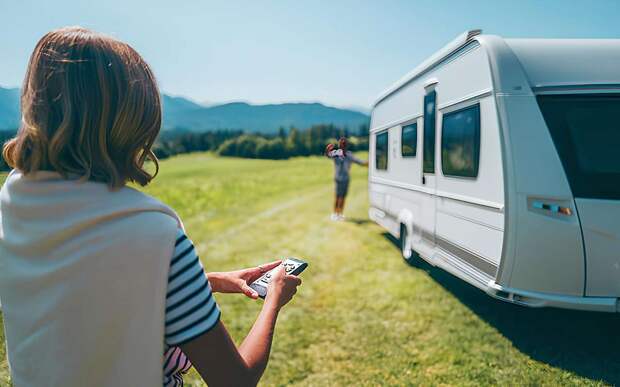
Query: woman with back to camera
{"x": 99, "y": 283}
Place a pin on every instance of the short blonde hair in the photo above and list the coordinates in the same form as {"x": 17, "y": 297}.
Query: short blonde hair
{"x": 90, "y": 107}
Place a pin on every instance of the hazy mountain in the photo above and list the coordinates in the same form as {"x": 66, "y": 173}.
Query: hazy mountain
{"x": 181, "y": 113}
{"x": 259, "y": 118}
{"x": 9, "y": 108}
{"x": 357, "y": 108}
{"x": 174, "y": 105}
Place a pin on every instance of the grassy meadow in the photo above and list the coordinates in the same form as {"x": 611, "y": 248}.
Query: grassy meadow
{"x": 362, "y": 316}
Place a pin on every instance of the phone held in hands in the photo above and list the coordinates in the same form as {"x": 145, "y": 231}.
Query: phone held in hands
{"x": 292, "y": 266}
{"x": 335, "y": 153}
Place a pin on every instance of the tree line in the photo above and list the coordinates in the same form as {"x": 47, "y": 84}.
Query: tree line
{"x": 5, "y": 135}
{"x": 285, "y": 143}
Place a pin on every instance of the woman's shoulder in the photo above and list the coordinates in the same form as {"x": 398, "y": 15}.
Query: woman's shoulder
{"x": 148, "y": 202}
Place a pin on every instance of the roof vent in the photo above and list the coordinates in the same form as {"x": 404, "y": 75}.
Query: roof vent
{"x": 472, "y": 33}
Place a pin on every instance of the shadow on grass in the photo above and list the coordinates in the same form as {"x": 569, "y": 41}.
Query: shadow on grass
{"x": 358, "y": 221}
{"x": 586, "y": 343}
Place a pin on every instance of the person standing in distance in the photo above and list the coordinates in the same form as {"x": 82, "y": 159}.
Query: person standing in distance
{"x": 342, "y": 166}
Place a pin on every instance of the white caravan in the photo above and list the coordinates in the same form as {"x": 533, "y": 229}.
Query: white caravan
{"x": 498, "y": 160}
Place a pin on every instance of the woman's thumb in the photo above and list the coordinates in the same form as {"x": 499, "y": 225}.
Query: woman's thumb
{"x": 248, "y": 291}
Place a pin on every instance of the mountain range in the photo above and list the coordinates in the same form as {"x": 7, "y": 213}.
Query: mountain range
{"x": 9, "y": 108}
{"x": 181, "y": 113}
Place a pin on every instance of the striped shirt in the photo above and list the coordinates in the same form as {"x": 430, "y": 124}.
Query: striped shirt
{"x": 191, "y": 309}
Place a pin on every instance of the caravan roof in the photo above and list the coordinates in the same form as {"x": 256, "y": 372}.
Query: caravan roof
{"x": 568, "y": 62}
{"x": 546, "y": 62}
{"x": 429, "y": 63}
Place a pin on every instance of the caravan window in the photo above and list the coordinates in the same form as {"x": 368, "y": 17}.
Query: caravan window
{"x": 429, "y": 132}
{"x": 381, "y": 150}
{"x": 409, "y": 140}
{"x": 460, "y": 142}
{"x": 586, "y": 133}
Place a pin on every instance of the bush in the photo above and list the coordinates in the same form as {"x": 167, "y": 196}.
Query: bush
{"x": 228, "y": 148}
{"x": 271, "y": 149}
{"x": 176, "y": 141}
{"x": 254, "y": 146}
{"x": 246, "y": 146}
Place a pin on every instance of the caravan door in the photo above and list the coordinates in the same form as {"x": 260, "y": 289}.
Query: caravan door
{"x": 428, "y": 169}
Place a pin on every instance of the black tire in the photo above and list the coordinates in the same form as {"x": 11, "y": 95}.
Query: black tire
{"x": 408, "y": 254}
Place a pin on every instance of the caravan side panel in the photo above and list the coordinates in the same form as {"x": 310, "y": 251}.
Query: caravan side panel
{"x": 467, "y": 217}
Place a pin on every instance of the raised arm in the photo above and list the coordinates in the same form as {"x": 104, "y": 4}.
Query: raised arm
{"x": 358, "y": 161}
{"x": 216, "y": 357}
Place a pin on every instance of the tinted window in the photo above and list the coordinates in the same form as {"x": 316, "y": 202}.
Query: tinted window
{"x": 409, "y": 140}
{"x": 460, "y": 142}
{"x": 429, "y": 132}
{"x": 381, "y": 150}
{"x": 586, "y": 131}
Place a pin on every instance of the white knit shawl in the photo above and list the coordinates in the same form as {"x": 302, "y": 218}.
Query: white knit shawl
{"x": 83, "y": 276}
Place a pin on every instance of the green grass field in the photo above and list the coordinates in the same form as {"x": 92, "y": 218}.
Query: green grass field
{"x": 363, "y": 316}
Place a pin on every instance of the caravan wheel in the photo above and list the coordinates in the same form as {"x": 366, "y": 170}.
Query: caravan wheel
{"x": 409, "y": 255}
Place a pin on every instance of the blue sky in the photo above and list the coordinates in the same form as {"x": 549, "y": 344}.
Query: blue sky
{"x": 337, "y": 52}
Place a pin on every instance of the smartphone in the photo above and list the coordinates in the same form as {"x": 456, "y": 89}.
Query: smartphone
{"x": 293, "y": 266}
{"x": 336, "y": 153}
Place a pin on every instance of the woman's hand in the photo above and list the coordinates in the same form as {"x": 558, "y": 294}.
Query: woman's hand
{"x": 282, "y": 288}
{"x": 238, "y": 281}
{"x": 214, "y": 353}
{"x": 329, "y": 148}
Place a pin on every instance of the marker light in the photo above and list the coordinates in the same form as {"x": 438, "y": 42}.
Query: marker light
{"x": 552, "y": 208}
{"x": 565, "y": 211}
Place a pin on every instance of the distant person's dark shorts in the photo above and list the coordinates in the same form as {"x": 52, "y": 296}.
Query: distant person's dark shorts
{"x": 342, "y": 187}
